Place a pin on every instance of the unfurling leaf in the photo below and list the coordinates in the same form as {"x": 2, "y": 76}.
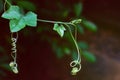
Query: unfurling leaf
{"x": 60, "y": 29}
{"x": 77, "y": 21}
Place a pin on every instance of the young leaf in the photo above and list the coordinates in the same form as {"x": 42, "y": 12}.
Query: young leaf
{"x": 89, "y": 25}
{"x": 30, "y": 19}
{"x": 12, "y": 13}
{"x": 60, "y": 29}
{"x": 16, "y": 25}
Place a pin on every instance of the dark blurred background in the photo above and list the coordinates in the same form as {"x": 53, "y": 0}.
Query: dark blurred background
{"x": 43, "y": 55}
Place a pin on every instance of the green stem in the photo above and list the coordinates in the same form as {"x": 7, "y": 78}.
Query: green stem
{"x": 79, "y": 57}
{"x": 49, "y": 21}
{"x": 8, "y": 2}
{"x": 67, "y": 24}
{"x": 5, "y": 4}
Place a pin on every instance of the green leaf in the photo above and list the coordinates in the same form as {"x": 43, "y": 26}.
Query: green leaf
{"x": 89, "y": 56}
{"x": 16, "y": 25}
{"x": 78, "y": 9}
{"x": 89, "y": 25}
{"x": 12, "y": 13}
{"x": 60, "y": 29}
{"x": 27, "y": 5}
{"x": 30, "y": 19}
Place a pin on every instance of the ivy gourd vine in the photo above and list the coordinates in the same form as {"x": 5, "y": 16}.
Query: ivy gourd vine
{"x": 19, "y": 20}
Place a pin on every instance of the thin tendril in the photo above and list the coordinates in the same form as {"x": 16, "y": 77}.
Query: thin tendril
{"x": 79, "y": 57}
{"x": 13, "y": 64}
{"x": 5, "y": 6}
{"x": 75, "y": 33}
{"x": 6, "y": 2}
{"x": 14, "y": 50}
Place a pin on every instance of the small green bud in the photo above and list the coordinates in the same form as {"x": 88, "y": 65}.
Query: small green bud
{"x": 74, "y": 71}
{"x": 77, "y": 21}
{"x": 13, "y": 66}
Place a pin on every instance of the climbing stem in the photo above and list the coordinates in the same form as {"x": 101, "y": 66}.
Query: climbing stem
{"x": 49, "y": 21}
{"x": 75, "y": 42}
{"x": 6, "y": 2}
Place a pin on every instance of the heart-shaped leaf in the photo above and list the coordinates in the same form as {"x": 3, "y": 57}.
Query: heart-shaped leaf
{"x": 16, "y": 25}
{"x": 12, "y": 13}
{"x": 59, "y": 28}
{"x": 30, "y": 19}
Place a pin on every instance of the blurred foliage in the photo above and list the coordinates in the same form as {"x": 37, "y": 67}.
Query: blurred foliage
{"x": 24, "y": 5}
{"x": 4, "y": 62}
{"x": 89, "y": 56}
{"x": 78, "y": 9}
{"x": 1, "y": 5}
{"x": 63, "y": 46}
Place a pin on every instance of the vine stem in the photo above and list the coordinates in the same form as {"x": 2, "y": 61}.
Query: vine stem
{"x": 6, "y": 1}
{"x": 67, "y": 24}
{"x": 49, "y": 21}
{"x": 79, "y": 57}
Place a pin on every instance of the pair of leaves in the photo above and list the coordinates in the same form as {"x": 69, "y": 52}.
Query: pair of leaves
{"x": 19, "y": 21}
{"x": 59, "y": 28}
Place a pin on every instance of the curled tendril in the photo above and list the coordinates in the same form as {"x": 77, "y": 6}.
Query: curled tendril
{"x": 13, "y": 64}
{"x": 76, "y": 67}
{"x": 75, "y": 64}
